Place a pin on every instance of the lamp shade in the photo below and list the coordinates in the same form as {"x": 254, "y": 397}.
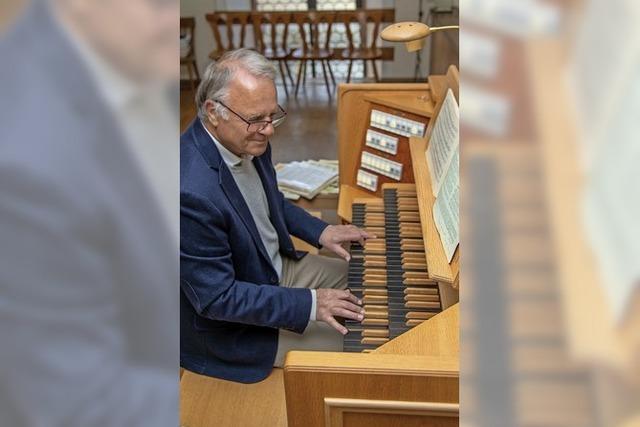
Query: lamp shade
{"x": 411, "y": 33}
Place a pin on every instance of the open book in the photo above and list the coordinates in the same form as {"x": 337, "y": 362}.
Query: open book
{"x": 306, "y": 178}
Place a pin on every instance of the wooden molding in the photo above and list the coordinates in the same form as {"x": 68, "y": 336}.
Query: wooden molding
{"x": 372, "y": 363}
{"x": 336, "y": 408}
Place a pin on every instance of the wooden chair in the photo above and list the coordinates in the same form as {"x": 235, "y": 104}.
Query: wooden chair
{"x": 235, "y": 29}
{"x": 315, "y": 43}
{"x": 362, "y": 50}
{"x": 188, "y": 59}
{"x": 266, "y": 26}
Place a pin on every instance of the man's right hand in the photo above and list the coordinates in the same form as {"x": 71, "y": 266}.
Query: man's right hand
{"x": 334, "y": 302}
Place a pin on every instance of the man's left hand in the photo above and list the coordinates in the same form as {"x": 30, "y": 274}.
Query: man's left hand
{"x": 334, "y": 235}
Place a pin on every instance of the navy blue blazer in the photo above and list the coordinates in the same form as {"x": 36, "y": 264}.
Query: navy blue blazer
{"x": 231, "y": 306}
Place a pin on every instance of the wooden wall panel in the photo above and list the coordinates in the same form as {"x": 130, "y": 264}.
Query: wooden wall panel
{"x": 370, "y": 412}
{"x": 312, "y": 377}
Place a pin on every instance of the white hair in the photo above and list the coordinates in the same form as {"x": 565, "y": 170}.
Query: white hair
{"x": 218, "y": 75}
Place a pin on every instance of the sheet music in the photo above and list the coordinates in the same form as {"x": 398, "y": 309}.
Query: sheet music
{"x": 447, "y": 207}
{"x": 444, "y": 141}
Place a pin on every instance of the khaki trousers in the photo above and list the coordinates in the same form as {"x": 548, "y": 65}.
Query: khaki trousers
{"x": 312, "y": 272}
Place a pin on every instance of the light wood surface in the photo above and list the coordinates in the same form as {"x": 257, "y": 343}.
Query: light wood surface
{"x": 373, "y": 363}
{"x": 419, "y": 367}
{"x": 438, "y": 336}
{"x": 418, "y": 102}
{"x": 438, "y": 85}
{"x": 312, "y": 377}
{"x": 211, "y": 402}
{"x": 453, "y": 82}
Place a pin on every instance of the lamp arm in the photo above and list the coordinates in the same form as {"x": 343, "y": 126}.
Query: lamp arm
{"x": 448, "y": 27}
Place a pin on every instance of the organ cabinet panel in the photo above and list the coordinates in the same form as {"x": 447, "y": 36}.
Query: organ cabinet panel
{"x": 375, "y": 122}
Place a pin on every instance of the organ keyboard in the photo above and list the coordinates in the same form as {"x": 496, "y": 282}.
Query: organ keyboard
{"x": 390, "y": 272}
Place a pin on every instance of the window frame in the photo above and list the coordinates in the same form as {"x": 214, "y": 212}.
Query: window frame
{"x": 311, "y": 4}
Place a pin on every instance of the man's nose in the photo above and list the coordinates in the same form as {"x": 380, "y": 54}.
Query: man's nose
{"x": 268, "y": 130}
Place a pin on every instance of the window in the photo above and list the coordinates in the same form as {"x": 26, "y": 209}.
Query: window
{"x": 284, "y": 5}
{"x": 338, "y": 32}
{"x": 280, "y": 5}
{"x": 337, "y": 5}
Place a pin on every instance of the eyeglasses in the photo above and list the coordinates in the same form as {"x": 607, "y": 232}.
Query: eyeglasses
{"x": 259, "y": 125}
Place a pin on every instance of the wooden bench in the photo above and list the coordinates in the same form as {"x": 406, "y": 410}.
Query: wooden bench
{"x": 212, "y": 402}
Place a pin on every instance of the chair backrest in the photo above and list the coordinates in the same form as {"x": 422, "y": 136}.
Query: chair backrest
{"x": 187, "y": 31}
{"x": 369, "y": 22}
{"x": 229, "y": 20}
{"x": 271, "y": 30}
{"x": 312, "y": 29}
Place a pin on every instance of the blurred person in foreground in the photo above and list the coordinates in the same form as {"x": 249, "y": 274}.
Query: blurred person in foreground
{"x": 88, "y": 215}
{"x": 244, "y": 288}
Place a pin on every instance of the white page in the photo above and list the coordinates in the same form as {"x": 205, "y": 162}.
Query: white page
{"x": 444, "y": 141}
{"x": 305, "y": 176}
{"x": 447, "y": 207}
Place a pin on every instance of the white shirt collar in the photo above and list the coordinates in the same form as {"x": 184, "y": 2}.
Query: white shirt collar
{"x": 229, "y": 158}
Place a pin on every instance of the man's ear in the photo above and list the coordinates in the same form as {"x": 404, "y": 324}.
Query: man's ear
{"x": 211, "y": 112}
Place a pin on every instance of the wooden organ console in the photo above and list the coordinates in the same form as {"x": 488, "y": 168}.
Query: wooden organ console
{"x": 400, "y": 365}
